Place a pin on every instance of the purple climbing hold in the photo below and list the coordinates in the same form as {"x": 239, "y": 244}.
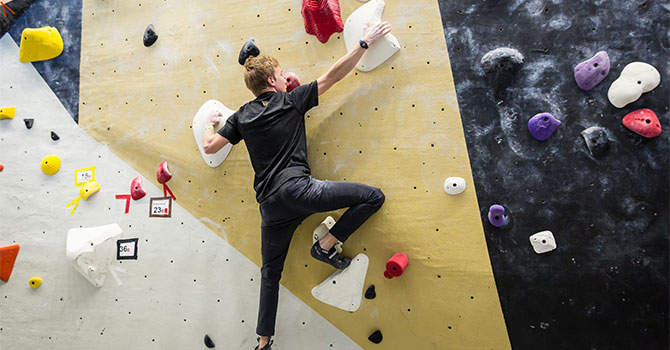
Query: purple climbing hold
{"x": 543, "y": 125}
{"x": 497, "y": 215}
{"x": 592, "y": 71}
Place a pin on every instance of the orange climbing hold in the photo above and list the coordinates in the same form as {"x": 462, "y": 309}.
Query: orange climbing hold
{"x": 322, "y": 18}
{"x": 5, "y": 6}
{"x": 7, "y": 257}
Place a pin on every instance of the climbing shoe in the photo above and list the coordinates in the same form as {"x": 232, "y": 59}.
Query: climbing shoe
{"x": 329, "y": 257}
{"x": 267, "y": 346}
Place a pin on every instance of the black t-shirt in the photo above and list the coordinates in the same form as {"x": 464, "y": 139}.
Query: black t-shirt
{"x": 273, "y": 128}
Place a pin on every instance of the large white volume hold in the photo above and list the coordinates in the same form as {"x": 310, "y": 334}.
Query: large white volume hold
{"x": 543, "y": 242}
{"x": 636, "y": 78}
{"x": 378, "y": 52}
{"x": 323, "y": 229}
{"x": 344, "y": 288}
{"x": 199, "y": 123}
{"x": 454, "y": 185}
{"x": 91, "y": 250}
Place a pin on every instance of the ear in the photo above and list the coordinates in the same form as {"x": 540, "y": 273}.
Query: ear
{"x": 271, "y": 81}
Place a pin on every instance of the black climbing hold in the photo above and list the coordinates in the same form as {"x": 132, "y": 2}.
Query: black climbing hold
{"x": 150, "y": 36}
{"x": 54, "y": 136}
{"x": 500, "y": 66}
{"x": 249, "y": 49}
{"x": 208, "y": 342}
{"x": 596, "y": 140}
{"x": 376, "y": 337}
{"x": 29, "y": 122}
{"x": 370, "y": 293}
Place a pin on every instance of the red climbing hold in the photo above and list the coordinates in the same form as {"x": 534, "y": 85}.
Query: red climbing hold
{"x": 396, "y": 265}
{"x": 163, "y": 175}
{"x": 136, "y": 188}
{"x": 292, "y": 81}
{"x": 643, "y": 122}
{"x": 7, "y": 258}
{"x": 322, "y": 18}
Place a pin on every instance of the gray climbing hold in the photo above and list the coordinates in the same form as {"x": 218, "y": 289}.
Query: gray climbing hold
{"x": 249, "y": 49}
{"x": 29, "y": 122}
{"x": 500, "y": 67}
{"x": 150, "y": 36}
{"x": 596, "y": 140}
{"x": 370, "y": 292}
{"x": 376, "y": 337}
{"x": 54, "y": 136}
{"x": 208, "y": 342}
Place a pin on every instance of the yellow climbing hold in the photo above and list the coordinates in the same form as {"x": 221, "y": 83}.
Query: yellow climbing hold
{"x": 88, "y": 189}
{"x": 7, "y": 112}
{"x": 51, "y": 164}
{"x": 39, "y": 44}
{"x": 85, "y": 191}
{"x": 35, "y": 282}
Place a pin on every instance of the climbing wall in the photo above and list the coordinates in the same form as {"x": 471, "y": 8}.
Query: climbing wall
{"x": 185, "y": 283}
{"x": 397, "y": 127}
{"x": 607, "y": 284}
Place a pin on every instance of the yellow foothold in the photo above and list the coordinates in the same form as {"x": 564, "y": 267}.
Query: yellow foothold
{"x": 35, "y": 282}
{"x": 50, "y": 164}
{"x": 39, "y": 44}
{"x": 7, "y": 112}
{"x": 88, "y": 189}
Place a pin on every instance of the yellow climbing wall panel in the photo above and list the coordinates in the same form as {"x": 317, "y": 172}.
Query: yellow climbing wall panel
{"x": 397, "y": 127}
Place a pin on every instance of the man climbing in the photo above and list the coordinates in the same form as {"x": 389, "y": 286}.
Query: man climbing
{"x": 273, "y": 128}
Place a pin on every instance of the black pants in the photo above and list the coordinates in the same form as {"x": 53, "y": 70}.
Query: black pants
{"x": 284, "y": 210}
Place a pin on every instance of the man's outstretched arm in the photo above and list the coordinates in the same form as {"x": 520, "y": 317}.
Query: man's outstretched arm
{"x": 212, "y": 142}
{"x": 345, "y": 64}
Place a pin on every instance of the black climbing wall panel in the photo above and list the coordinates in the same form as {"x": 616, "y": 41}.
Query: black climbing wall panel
{"x": 606, "y": 286}
{"x": 62, "y": 72}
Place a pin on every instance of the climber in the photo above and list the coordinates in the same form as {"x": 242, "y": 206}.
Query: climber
{"x": 273, "y": 128}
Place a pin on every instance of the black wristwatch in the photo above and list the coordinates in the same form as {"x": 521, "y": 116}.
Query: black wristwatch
{"x": 363, "y": 44}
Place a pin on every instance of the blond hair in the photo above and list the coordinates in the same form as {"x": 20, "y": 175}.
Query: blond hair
{"x": 257, "y": 70}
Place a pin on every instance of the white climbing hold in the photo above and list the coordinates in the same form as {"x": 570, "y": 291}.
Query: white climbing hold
{"x": 454, "y": 185}
{"x": 323, "y": 229}
{"x": 378, "y": 52}
{"x": 636, "y": 78}
{"x": 543, "y": 242}
{"x": 91, "y": 250}
{"x": 199, "y": 123}
{"x": 344, "y": 288}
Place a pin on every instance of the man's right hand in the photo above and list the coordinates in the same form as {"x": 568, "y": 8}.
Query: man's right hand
{"x": 372, "y": 33}
{"x": 214, "y": 118}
